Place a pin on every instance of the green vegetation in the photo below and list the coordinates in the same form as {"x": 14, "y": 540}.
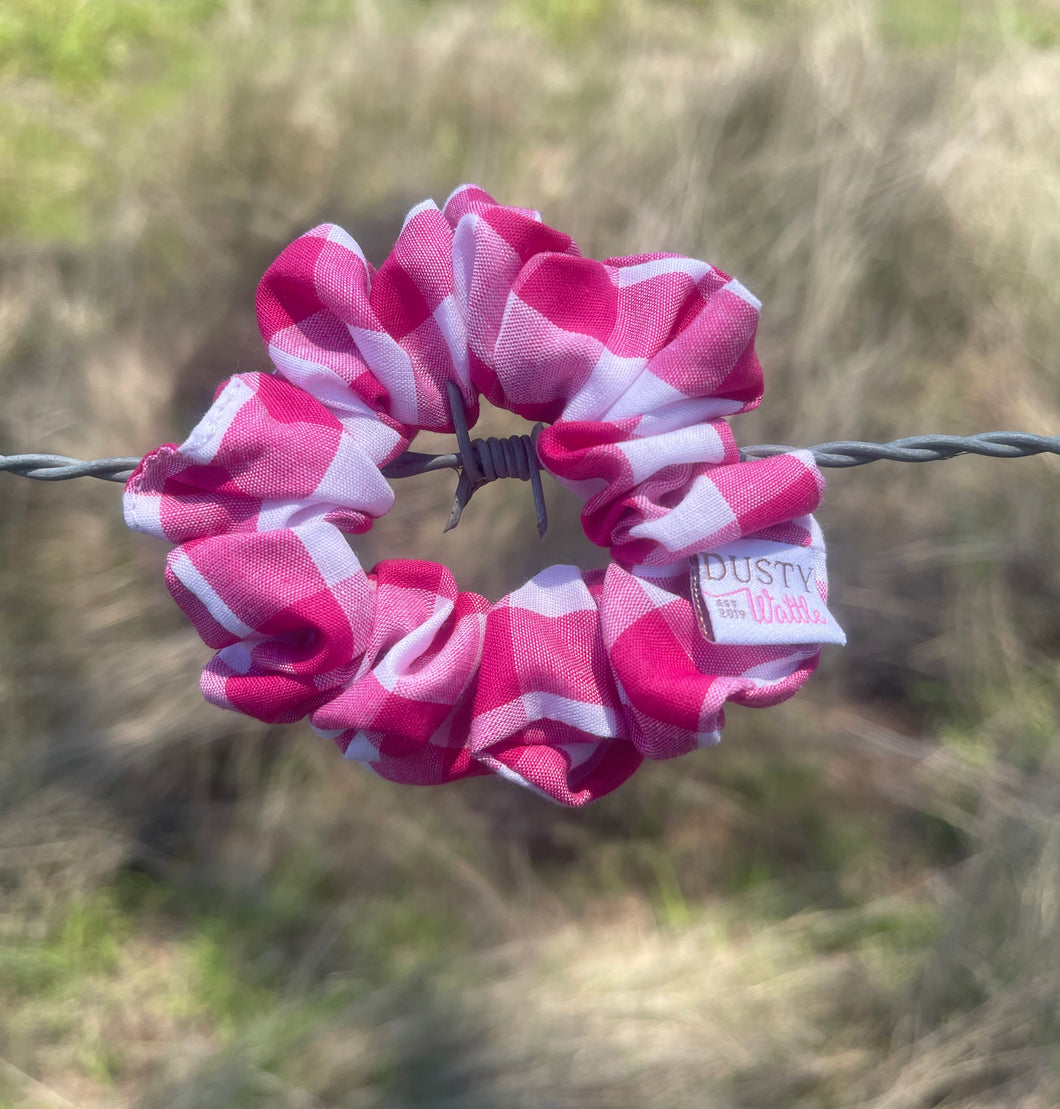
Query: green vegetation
{"x": 850, "y": 902}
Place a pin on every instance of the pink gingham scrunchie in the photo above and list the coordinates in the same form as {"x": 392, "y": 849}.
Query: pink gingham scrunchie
{"x": 568, "y": 683}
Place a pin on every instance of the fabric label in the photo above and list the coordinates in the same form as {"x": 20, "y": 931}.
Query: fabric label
{"x": 755, "y": 591}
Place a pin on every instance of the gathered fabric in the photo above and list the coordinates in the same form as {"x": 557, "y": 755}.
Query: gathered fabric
{"x": 566, "y": 684}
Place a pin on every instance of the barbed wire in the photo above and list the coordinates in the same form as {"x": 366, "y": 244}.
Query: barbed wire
{"x": 921, "y": 448}
{"x": 840, "y": 454}
{"x": 58, "y": 467}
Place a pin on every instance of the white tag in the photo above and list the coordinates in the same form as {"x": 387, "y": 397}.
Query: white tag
{"x": 755, "y": 591}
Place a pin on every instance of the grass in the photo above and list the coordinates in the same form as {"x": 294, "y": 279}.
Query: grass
{"x": 851, "y": 902}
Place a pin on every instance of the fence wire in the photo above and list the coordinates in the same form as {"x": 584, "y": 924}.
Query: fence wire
{"x": 840, "y": 454}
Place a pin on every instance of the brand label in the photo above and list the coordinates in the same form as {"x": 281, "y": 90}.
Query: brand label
{"x": 754, "y": 591}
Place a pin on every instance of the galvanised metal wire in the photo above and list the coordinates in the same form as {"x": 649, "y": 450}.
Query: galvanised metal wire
{"x": 58, "y": 467}
{"x": 853, "y": 452}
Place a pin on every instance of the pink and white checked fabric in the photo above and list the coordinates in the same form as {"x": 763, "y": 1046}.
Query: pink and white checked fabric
{"x": 568, "y": 683}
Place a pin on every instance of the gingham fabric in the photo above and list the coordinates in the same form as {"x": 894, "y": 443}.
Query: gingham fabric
{"x": 568, "y": 683}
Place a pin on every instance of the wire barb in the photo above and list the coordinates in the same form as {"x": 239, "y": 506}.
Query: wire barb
{"x": 482, "y": 461}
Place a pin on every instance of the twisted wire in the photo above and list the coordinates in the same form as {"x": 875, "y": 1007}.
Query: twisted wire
{"x": 514, "y": 456}
{"x": 844, "y": 453}
{"x": 920, "y": 448}
{"x": 58, "y": 467}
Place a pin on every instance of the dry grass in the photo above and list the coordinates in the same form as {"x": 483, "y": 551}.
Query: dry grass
{"x": 852, "y": 902}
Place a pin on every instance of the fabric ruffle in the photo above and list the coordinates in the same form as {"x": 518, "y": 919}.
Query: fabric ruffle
{"x": 567, "y": 683}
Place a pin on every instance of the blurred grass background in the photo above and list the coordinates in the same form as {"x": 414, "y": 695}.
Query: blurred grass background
{"x": 853, "y": 902}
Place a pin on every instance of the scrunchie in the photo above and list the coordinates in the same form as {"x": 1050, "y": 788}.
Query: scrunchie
{"x": 568, "y": 683}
